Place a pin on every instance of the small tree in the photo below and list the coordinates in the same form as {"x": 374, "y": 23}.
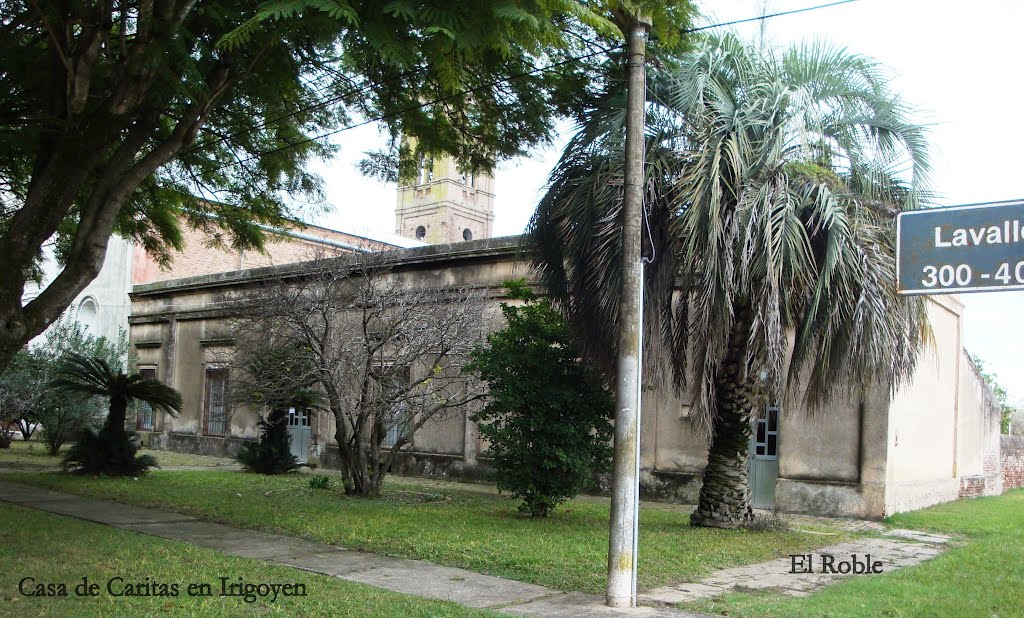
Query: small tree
{"x": 272, "y": 454}
{"x": 18, "y": 394}
{"x": 64, "y": 414}
{"x": 548, "y": 415}
{"x": 992, "y": 381}
{"x": 278, "y": 379}
{"x": 385, "y": 356}
{"x": 111, "y": 451}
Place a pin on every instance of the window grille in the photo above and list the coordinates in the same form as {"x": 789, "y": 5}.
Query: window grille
{"x": 216, "y": 401}
{"x": 146, "y": 416}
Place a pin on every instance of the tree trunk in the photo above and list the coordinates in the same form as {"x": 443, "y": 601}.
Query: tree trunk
{"x": 725, "y": 494}
{"x": 357, "y": 478}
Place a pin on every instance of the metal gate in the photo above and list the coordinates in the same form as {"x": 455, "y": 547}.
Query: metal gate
{"x": 764, "y": 458}
{"x": 299, "y": 430}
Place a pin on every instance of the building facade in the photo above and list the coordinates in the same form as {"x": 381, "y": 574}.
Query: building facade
{"x": 934, "y": 440}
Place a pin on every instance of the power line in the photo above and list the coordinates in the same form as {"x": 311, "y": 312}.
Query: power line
{"x": 313, "y": 106}
{"x": 422, "y": 105}
{"x": 482, "y": 86}
{"x": 768, "y": 16}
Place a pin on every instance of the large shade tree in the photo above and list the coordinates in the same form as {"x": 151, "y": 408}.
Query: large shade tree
{"x": 114, "y": 114}
{"x": 772, "y": 182}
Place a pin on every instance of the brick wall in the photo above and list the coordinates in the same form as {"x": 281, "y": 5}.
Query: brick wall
{"x": 972, "y": 486}
{"x": 1013, "y": 462}
{"x": 200, "y": 257}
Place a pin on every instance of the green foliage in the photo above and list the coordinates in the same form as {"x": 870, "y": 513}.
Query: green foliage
{"x": 271, "y": 454}
{"x": 111, "y": 451}
{"x": 773, "y": 179}
{"x": 460, "y": 54}
{"x": 24, "y": 390}
{"x": 64, "y": 414}
{"x": 107, "y": 452}
{"x": 18, "y": 392}
{"x": 547, "y": 415}
{"x": 275, "y": 377}
{"x": 320, "y": 481}
{"x": 992, "y": 381}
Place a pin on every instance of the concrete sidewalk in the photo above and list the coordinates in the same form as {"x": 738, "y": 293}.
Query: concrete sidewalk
{"x": 413, "y": 577}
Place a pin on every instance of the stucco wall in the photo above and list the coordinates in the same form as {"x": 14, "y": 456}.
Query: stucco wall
{"x": 855, "y": 481}
{"x": 923, "y": 418}
{"x": 859, "y": 456}
{"x": 103, "y": 306}
{"x": 178, "y": 328}
{"x": 978, "y": 466}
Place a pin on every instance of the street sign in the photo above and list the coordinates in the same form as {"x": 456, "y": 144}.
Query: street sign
{"x": 972, "y": 248}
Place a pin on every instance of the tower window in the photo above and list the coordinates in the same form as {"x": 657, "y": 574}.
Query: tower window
{"x": 467, "y": 234}
{"x": 426, "y": 170}
{"x": 421, "y": 232}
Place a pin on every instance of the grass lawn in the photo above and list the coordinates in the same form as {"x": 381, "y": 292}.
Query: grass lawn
{"x": 983, "y": 576}
{"x": 34, "y": 455}
{"x": 464, "y": 528}
{"x": 55, "y": 549}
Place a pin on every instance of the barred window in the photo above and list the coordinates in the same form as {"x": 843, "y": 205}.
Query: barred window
{"x": 396, "y": 418}
{"x": 216, "y": 401}
{"x": 145, "y": 416}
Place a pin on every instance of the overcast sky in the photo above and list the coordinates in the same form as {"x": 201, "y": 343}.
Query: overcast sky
{"x": 958, "y": 64}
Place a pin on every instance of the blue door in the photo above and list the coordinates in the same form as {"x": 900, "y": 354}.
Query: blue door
{"x": 764, "y": 458}
{"x": 300, "y": 430}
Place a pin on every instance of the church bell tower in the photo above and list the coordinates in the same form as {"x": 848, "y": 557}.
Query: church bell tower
{"x": 443, "y": 205}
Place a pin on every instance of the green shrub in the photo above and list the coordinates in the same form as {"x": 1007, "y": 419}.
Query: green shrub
{"x": 108, "y": 452}
{"x": 320, "y": 481}
{"x": 547, "y": 416}
{"x": 272, "y": 453}
{"x": 113, "y": 450}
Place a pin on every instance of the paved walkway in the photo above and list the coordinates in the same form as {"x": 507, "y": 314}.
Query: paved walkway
{"x": 826, "y": 566}
{"x": 408, "y": 576}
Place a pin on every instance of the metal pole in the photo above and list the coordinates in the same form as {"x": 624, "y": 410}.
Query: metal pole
{"x": 621, "y": 546}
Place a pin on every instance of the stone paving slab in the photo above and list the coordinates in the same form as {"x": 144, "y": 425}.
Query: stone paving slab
{"x": 100, "y": 512}
{"x": 579, "y": 605}
{"x": 20, "y": 494}
{"x": 336, "y": 563}
{"x": 775, "y": 575}
{"x": 915, "y": 535}
{"x": 235, "y": 541}
{"x": 449, "y": 584}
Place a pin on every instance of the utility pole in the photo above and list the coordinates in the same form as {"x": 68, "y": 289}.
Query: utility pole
{"x": 622, "y": 538}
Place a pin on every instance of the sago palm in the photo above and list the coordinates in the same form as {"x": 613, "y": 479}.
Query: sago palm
{"x": 772, "y": 181}
{"x": 110, "y": 451}
{"x": 94, "y": 376}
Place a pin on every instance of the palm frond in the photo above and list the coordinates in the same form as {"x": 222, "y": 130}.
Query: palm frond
{"x": 773, "y": 181}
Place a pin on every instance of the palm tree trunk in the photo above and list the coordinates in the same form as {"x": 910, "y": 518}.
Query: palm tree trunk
{"x": 117, "y": 415}
{"x": 725, "y": 494}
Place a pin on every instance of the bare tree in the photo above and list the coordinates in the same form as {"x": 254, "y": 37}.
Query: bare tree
{"x": 385, "y": 355}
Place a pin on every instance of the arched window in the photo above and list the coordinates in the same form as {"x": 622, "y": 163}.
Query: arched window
{"x": 87, "y": 315}
{"x": 425, "y": 172}
{"x": 421, "y": 232}
{"x": 467, "y": 234}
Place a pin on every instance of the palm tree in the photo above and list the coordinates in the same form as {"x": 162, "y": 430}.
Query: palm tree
{"x": 772, "y": 181}
{"x": 111, "y": 451}
{"x": 94, "y": 376}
